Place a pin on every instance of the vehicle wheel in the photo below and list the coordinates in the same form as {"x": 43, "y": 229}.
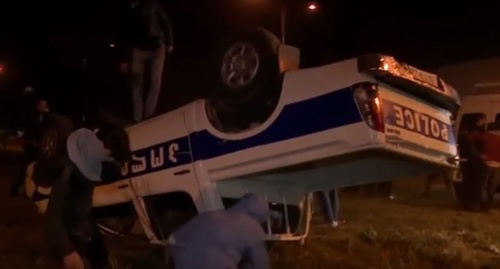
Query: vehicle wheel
{"x": 244, "y": 66}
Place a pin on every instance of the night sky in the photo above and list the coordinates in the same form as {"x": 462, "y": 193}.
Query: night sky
{"x": 43, "y": 43}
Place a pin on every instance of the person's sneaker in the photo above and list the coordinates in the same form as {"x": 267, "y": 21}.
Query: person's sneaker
{"x": 335, "y": 224}
{"x": 391, "y": 197}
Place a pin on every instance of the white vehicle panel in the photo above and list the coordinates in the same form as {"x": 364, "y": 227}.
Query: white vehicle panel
{"x": 309, "y": 83}
{"x": 315, "y": 146}
{"x": 416, "y": 122}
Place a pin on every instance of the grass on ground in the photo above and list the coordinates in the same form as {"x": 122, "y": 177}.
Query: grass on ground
{"x": 409, "y": 232}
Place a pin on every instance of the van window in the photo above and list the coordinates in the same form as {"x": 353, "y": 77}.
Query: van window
{"x": 469, "y": 120}
{"x": 495, "y": 124}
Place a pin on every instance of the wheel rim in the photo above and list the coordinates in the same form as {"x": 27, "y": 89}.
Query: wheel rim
{"x": 240, "y": 65}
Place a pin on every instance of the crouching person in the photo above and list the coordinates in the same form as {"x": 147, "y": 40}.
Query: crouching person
{"x": 73, "y": 236}
{"x": 223, "y": 239}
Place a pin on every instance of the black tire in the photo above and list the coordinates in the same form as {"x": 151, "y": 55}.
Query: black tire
{"x": 256, "y": 42}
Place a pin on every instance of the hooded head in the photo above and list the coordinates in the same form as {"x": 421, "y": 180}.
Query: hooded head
{"x": 87, "y": 152}
{"x": 252, "y": 206}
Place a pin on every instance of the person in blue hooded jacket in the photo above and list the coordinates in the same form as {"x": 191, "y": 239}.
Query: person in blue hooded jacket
{"x": 223, "y": 239}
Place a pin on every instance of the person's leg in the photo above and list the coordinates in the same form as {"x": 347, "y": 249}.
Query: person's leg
{"x": 429, "y": 183}
{"x": 29, "y": 155}
{"x": 385, "y": 189}
{"x": 334, "y": 198}
{"x": 157, "y": 64}
{"x": 449, "y": 178}
{"x": 327, "y": 205}
{"x": 138, "y": 58}
{"x": 480, "y": 188}
{"x": 468, "y": 188}
{"x": 491, "y": 189}
{"x": 97, "y": 252}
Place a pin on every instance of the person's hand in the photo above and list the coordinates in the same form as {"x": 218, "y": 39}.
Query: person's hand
{"x": 73, "y": 261}
{"x": 124, "y": 68}
{"x": 170, "y": 49}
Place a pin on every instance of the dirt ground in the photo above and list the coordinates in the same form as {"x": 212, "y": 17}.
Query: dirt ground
{"x": 409, "y": 232}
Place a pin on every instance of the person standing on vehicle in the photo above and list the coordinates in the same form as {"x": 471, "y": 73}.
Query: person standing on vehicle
{"x": 231, "y": 238}
{"x": 31, "y": 140}
{"x": 73, "y": 236}
{"x": 149, "y": 33}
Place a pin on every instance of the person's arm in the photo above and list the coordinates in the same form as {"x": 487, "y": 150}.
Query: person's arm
{"x": 56, "y": 230}
{"x": 166, "y": 24}
{"x": 30, "y": 129}
{"x": 123, "y": 33}
{"x": 256, "y": 257}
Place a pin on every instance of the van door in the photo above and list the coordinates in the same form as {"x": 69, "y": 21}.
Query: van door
{"x": 162, "y": 165}
{"x": 163, "y": 159}
{"x": 470, "y": 111}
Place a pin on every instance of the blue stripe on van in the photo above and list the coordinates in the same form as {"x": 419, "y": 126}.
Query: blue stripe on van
{"x": 306, "y": 117}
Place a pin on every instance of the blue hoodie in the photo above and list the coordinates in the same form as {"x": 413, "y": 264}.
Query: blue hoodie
{"x": 229, "y": 239}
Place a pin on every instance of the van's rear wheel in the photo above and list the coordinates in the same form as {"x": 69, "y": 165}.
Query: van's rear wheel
{"x": 246, "y": 79}
{"x": 244, "y": 65}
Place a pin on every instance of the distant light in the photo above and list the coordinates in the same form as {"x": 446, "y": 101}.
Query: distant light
{"x": 112, "y": 45}
{"x": 28, "y": 90}
{"x": 312, "y": 7}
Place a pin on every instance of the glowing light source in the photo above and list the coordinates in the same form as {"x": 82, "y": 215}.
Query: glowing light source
{"x": 312, "y": 6}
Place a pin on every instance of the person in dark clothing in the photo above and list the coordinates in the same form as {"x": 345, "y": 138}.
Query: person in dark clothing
{"x": 473, "y": 168}
{"x": 32, "y": 136}
{"x": 73, "y": 236}
{"x": 474, "y": 173}
{"x": 493, "y": 128}
{"x": 479, "y": 124}
{"x": 231, "y": 238}
{"x": 148, "y": 31}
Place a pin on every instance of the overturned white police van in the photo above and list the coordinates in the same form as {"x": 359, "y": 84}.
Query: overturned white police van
{"x": 361, "y": 120}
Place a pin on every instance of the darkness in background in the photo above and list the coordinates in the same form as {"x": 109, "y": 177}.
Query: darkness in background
{"x": 43, "y": 43}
